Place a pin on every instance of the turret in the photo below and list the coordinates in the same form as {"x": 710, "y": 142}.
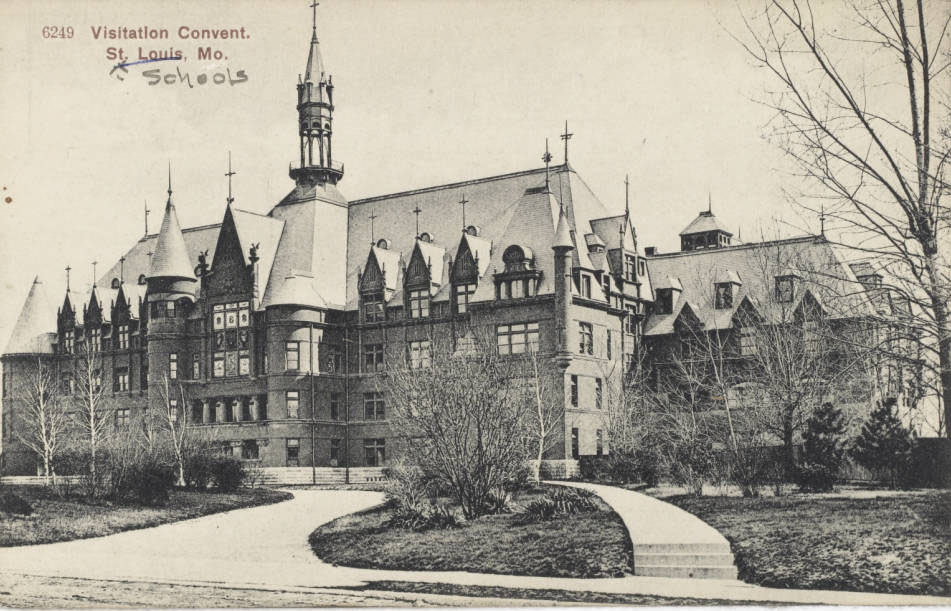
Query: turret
{"x": 315, "y": 119}
{"x": 562, "y": 245}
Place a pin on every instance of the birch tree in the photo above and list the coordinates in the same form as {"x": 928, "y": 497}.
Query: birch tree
{"x": 91, "y": 410}
{"x": 43, "y": 414}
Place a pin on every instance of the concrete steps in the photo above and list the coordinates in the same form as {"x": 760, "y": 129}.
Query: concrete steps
{"x": 692, "y": 564}
{"x": 694, "y": 572}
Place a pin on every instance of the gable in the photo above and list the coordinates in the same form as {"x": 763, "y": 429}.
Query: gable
{"x": 417, "y": 272}
{"x": 228, "y": 275}
{"x": 372, "y": 278}
{"x": 464, "y": 268}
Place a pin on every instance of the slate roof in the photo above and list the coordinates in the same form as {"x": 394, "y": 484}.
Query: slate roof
{"x": 819, "y": 266}
{"x": 705, "y": 221}
{"x": 35, "y": 328}
{"x": 265, "y": 231}
{"x": 170, "y": 259}
{"x": 197, "y": 239}
{"x": 297, "y": 290}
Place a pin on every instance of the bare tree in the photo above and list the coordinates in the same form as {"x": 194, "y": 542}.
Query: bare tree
{"x": 546, "y": 416}
{"x": 43, "y": 414}
{"x": 91, "y": 410}
{"x": 174, "y": 422}
{"x": 873, "y": 141}
{"x": 461, "y": 413}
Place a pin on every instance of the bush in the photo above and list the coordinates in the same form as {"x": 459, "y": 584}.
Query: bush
{"x": 823, "y": 449}
{"x": 15, "y": 504}
{"x": 228, "y": 473}
{"x": 199, "y": 469}
{"x": 436, "y": 516}
{"x": 884, "y": 445}
{"x": 641, "y": 466}
{"x": 564, "y": 501}
{"x": 150, "y": 482}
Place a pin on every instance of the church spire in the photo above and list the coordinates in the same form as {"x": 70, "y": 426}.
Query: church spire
{"x": 170, "y": 259}
{"x": 315, "y": 118}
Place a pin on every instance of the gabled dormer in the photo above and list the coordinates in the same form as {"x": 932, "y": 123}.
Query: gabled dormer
{"x": 229, "y": 276}
{"x": 472, "y": 259}
{"x": 667, "y": 291}
{"x": 377, "y": 281}
{"x": 422, "y": 278}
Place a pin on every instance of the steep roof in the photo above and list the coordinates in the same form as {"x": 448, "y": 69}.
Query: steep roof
{"x": 705, "y": 221}
{"x": 197, "y": 240}
{"x": 500, "y": 205}
{"x": 170, "y": 259}
{"x": 297, "y": 290}
{"x": 753, "y": 267}
{"x": 37, "y": 321}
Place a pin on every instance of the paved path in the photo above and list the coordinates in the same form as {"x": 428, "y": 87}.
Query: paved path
{"x": 267, "y": 547}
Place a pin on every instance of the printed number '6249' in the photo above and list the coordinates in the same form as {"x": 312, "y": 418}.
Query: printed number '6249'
{"x": 58, "y": 31}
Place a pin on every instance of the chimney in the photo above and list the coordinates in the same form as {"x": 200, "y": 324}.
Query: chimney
{"x": 650, "y": 251}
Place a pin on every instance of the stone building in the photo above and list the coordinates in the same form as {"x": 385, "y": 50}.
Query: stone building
{"x": 274, "y": 324}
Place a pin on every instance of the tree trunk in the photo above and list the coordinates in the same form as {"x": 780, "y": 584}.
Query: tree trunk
{"x": 944, "y": 357}
{"x": 789, "y": 450}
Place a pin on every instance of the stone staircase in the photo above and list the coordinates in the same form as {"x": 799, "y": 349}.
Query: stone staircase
{"x": 302, "y": 476}
{"x": 697, "y": 560}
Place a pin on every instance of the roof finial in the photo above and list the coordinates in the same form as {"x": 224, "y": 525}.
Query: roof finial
{"x": 169, "y": 203}
{"x": 709, "y": 203}
{"x": 822, "y": 221}
{"x": 372, "y": 238}
{"x": 314, "y": 6}
{"x": 146, "y": 217}
{"x": 67, "y": 277}
{"x": 463, "y": 202}
{"x": 94, "y": 264}
{"x": 566, "y": 137}
{"x": 416, "y": 211}
{"x": 229, "y": 174}
{"x": 122, "y": 269}
{"x": 547, "y": 159}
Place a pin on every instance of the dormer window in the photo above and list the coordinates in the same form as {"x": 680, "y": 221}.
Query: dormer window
{"x": 724, "y": 295}
{"x": 419, "y": 303}
{"x": 123, "y": 337}
{"x": 373, "y": 307}
{"x": 606, "y": 284}
{"x": 784, "y": 289}
{"x": 95, "y": 340}
{"x": 463, "y": 294}
{"x": 586, "y": 286}
{"x": 629, "y": 268}
{"x": 516, "y": 259}
{"x": 664, "y": 302}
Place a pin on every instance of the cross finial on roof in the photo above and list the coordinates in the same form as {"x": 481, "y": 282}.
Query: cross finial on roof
{"x": 463, "y": 202}
{"x": 566, "y": 137}
{"x": 146, "y": 218}
{"x": 229, "y": 174}
{"x": 372, "y": 218}
{"x": 822, "y": 221}
{"x": 314, "y": 5}
{"x": 416, "y": 211}
{"x": 94, "y": 264}
{"x": 547, "y": 159}
{"x": 67, "y": 277}
{"x": 169, "y": 203}
{"x": 121, "y": 268}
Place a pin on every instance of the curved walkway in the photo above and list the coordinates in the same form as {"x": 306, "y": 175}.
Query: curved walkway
{"x": 267, "y": 547}
{"x": 667, "y": 541}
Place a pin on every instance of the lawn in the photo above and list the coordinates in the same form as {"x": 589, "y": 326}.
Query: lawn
{"x": 58, "y": 519}
{"x": 593, "y": 544}
{"x": 896, "y": 542}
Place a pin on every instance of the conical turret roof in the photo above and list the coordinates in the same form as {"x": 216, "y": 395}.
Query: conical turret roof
{"x": 562, "y": 234}
{"x": 170, "y": 259}
{"x": 37, "y": 320}
{"x": 315, "y": 63}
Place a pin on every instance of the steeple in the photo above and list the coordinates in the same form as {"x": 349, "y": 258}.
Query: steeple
{"x": 562, "y": 233}
{"x": 315, "y": 118}
{"x": 170, "y": 260}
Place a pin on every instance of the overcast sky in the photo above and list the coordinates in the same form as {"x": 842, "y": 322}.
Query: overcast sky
{"x": 426, "y": 93}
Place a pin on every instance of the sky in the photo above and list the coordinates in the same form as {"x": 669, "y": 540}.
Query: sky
{"x": 426, "y": 93}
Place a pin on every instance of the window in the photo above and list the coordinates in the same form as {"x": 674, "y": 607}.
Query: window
{"x": 96, "y": 380}
{"x": 218, "y": 365}
{"x": 724, "y": 297}
{"x": 198, "y": 410}
{"x": 169, "y": 309}
{"x": 512, "y": 339}
{"x": 598, "y": 393}
{"x": 173, "y": 366}
{"x": 630, "y": 273}
{"x": 664, "y": 303}
{"x": 121, "y": 382}
{"x": 607, "y": 345}
{"x": 574, "y": 443}
{"x": 599, "y": 440}
{"x": 747, "y": 341}
{"x": 122, "y": 417}
{"x": 292, "y": 398}
{"x": 464, "y": 294}
{"x": 373, "y": 357}
{"x": 144, "y": 373}
{"x": 517, "y": 259}
{"x": 335, "y": 406}
{"x": 373, "y": 307}
{"x": 249, "y": 449}
{"x": 293, "y": 452}
{"x": 95, "y": 340}
{"x": 586, "y": 286}
{"x": 173, "y": 410}
{"x": 419, "y": 303}
{"x": 123, "y": 337}
{"x": 334, "y": 359}
{"x": 810, "y": 336}
{"x": 420, "y": 354}
{"x": 196, "y": 366}
{"x": 784, "y": 289}
{"x": 234, "y": 315}
{"x": 291, "y": 356}
{"x": 244, "y": 363}
{"x": 374, "y": 451}
{"x": 630, "y": 321}
{"x": 516, "y": 289}
{"x": 69, "y": 384}
{"x": 586, "y": 338}
{"x": 334, "y": 452}
{"x": 68, "y": 341}
{"x": 373, "y": 408}
{"x": 574, "y": 391}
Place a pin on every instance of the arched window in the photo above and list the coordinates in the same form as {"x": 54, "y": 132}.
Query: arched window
{"x": 141, "y": 278}
{"x": 115, "y": 283}
{"x": 517, "y": 258}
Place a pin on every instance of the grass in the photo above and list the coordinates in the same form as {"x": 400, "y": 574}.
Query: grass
{"x": 896, "y": 543}
{"x": 594, "y": 544}
{"x": 61, "y": 519}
